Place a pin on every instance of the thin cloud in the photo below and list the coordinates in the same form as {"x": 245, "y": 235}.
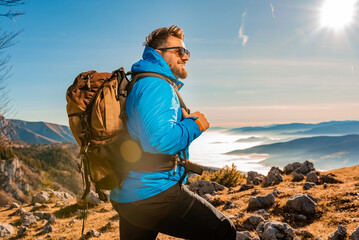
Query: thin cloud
{"x": 272, "y": 8}
{"x": 241, "y": 29}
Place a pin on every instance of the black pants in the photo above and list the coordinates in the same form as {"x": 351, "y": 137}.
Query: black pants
{"x": 177, "y": 212}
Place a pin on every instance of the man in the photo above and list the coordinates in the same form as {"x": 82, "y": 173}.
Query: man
{"x": 150, "y": 202}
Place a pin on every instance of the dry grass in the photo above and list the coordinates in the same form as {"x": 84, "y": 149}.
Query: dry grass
{"x": 337, "y": 204}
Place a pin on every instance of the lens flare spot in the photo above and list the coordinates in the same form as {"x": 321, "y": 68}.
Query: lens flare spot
{"x": 130, "y": 151}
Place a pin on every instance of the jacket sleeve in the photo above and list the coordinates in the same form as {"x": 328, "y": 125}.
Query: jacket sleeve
{"x": 155, "y": 112}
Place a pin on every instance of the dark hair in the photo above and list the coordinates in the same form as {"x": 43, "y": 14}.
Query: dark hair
{"x": 158, "y": 37}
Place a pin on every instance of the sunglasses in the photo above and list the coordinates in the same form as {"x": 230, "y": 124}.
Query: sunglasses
{"x": 181, "y": 51}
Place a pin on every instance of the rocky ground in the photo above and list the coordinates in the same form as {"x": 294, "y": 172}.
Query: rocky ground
{"x": 297, "y": 202}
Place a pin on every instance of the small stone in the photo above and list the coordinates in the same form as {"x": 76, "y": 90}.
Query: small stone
{"x": 263, "y": 213}
{"x": 339, "y": 234}
{"x": 328, "y": 178}
{"x": 302, "y": 203}
{"x": 27, "y": 219}
{"x": 22, "y": 232}
{"x": 308, "y": 185}
{"x": 14, "y": 205}
{"x": 312, "y": 177}
{"x": 18, "y": 212}
{"x": 93, "y": 233}
{"x": 261, "y": 202}
{"x": 6, "y": 230}
{"x": 48, "y": 229}
{"x": 229, "y": 205}
{"x": 252, "y": 222}
{"x": 245, "y": 187}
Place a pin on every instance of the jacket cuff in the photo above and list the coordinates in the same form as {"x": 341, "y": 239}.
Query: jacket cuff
{"x": 193, "y": 127}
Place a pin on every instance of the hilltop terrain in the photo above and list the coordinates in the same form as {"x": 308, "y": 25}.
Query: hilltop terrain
{"x": 337, "y": 203}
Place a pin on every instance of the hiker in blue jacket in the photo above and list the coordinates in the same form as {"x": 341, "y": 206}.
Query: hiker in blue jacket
{"x": 150, "y": 202}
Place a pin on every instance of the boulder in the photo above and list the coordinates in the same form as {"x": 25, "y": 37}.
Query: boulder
{"x": 270, "y": 230}
{"x": 355, "y": 234}
{"x": 329, "y": 178}
{"x": 243, "y": 236}
{"x": 261, "y": 202}
{"x": 305, "y": 234}
{"x": 202, "y": 187}
{"x": 6, "y": 230}
{"x": 42, "y": 197}
{"x": 306, "y": 167}
{"x": 313, "y": 177}
{"x": 302, "y": 203}
{"x": 27, "y": 219}
{"x": 339, "y": 234}
{"x": 48, "y": 229}
{"x": 297, "y": 176}
{"x": 274, "y": 177}
{"x": 262, "y": 213}
{"x": 42, "y": 215}
{"x": 291, "y": 167}
{"x": 254, "y": 178}
{"x": 252, "y": 222}
{"x": 22, "y": 232}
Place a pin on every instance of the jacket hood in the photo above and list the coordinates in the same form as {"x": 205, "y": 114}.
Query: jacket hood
{"x": 152, "y": 61}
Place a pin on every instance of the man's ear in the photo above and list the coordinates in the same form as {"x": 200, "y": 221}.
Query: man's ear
{"x": 159, "y": 51}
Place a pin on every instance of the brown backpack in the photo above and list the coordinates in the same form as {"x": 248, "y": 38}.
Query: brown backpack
{"x": 96, "y": 104}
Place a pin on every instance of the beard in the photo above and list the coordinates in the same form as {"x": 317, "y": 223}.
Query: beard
{"x": 178, "y": 71}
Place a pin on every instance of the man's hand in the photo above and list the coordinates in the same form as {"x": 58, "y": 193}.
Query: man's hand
{"x": 201, "y": 119}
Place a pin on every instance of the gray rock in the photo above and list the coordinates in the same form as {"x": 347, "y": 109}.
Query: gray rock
{"x": 291, "y": 167}
{"x": 313, "y": 177}
{"x": 27, "y": 219}
{"x": 42, "y": 197}
{"x": 328, "y": 178}
{"x": 271, "y": 230}
{"x": 355, "y": 234}
{"x": 6, "y": 230}
{"x": 261, "y": 202}
{"x": 297, "y": 176}
{"x": 308, "y": 185}
{"x": 252, "y": 222}
{"x": 254, "y": 178}
{"x": 262, "y": 213}
{"x": 51, "y": 220}
{"x": 93, "y": 233}
{"x": 339, "y": 234}
{"x": 202, "y": 187}
{"x": 48, "y": 229}
{"x": 307, "y": 167}
{"x": 243, "y": 236}
{"x": 229, "y": 205}
{"x": 14, "y": 205}
{"x": 302, "y": 203}
{"x": 42, "y": 215}
{"x": 245, "y": 187}
{"x": 18, "y": 212}
{"x": 274, "y": 177}
{"x": 22, "y": 232}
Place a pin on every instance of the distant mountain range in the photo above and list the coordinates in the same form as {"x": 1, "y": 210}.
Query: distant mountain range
{"x": 41, "y": 132}
{"x": 332, "y": 127}
{"x": 327, "y": 152}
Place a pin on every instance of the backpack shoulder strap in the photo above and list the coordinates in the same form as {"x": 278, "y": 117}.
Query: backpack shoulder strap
{"x": 139, "y": 76}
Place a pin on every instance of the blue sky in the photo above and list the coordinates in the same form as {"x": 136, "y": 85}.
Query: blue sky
{"x": 290, "y": 69}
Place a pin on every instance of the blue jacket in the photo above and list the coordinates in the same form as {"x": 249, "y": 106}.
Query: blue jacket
{"x": 155, "y": 120}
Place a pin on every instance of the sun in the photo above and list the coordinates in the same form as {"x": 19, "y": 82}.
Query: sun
{"x": 337, "y": 14}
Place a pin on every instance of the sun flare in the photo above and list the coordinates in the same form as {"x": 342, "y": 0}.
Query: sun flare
{"x": 337, "y": 14}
